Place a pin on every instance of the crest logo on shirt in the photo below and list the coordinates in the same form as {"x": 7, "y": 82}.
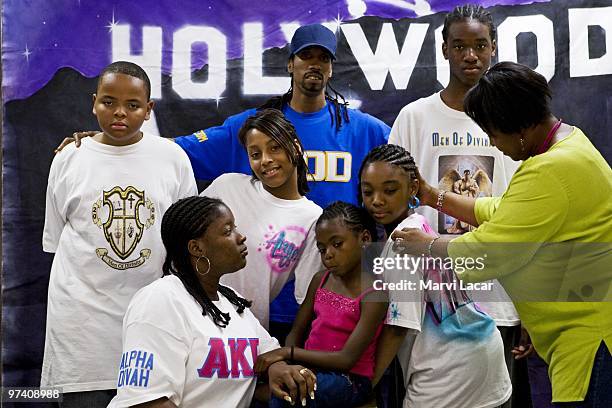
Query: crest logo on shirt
{"x": 123, "y": 228}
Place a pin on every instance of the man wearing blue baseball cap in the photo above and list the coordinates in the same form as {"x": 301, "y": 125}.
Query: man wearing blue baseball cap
{"x": 335, "y": 137}
{"x": 313, "y": 35}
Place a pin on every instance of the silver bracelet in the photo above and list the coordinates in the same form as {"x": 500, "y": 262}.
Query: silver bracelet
{"x": 429, "y": 254}
{"x": 440, "y": 200}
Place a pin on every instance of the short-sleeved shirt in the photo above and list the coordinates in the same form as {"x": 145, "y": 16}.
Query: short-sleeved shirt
{"x": 171, "y": 350}
{"x": 455, "y": 361}
{"x": 556, "y": 207}
{"x": 445, "y": 143}
{"x": 280, "y": 239}
{"x": 103, "y": 220}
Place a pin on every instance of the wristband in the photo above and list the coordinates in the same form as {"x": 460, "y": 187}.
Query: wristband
{"x": 440, "y": 200}
{"x": 430, "y": 246}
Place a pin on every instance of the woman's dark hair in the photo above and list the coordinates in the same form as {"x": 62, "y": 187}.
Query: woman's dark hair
{"x": 355, "y": 218}
{"x": 509, "y": 98}
{"x": 469, "y": 12}
{"x": 338, "y": 103}
{"x": 187, "y": 219}
{"x": 272, "y": 122}
{"x": 127, "y": 68}
{"x": 392, "y": 154}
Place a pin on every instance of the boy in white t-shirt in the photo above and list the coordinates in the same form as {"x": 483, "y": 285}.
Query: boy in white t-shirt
{"x": 455, "y": 154}
{"x": 103, "y": 211}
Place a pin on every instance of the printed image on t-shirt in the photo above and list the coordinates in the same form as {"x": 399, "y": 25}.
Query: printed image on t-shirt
{"x": 282, "y": 246}
{"x": 470, "y": 176}
{"x": 123, "y": 214}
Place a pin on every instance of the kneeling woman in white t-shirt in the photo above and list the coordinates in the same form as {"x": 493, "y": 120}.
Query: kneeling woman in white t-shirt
{"x": 187, "y": 340}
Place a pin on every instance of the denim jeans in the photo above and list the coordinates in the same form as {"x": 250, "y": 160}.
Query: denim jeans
{"x": 334, "y": 390}
{"x": 541, "y": 390}
{"x": 599, "y": 394}
{"x": 390, "y": 391}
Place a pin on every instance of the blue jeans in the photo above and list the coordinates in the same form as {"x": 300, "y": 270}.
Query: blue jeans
{"x": 334, "y": 390}
{"x": 390, "y": 391}
{"x": 541, "y": 390}
{"x": 599, "y": 394}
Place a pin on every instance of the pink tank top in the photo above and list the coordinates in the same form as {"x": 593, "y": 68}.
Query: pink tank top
{"x": 335, "y": 319}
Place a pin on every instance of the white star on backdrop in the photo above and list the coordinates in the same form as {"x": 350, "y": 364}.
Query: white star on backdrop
{"x": 338, "y": 21}
{"x": 218, "y": 99}
{"x": 112, "y": 24}
{"x": 27, "y": 53}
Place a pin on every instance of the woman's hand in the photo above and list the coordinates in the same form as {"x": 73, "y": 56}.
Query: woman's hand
{"x": 413, "y": 241}
{"x": 292, "y": 383}
{"x": 265, "y": 360}
{"x": 427, "y": 194}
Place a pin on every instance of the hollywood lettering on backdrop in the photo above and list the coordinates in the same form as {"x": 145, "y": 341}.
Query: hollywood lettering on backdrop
{"x": 208, "y": 60}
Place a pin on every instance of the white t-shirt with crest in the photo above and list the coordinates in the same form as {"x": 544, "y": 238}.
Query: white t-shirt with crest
{"x": 104, "y": 208}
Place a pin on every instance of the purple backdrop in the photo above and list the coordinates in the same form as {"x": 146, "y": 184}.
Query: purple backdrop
{"x": 210, "y": 59}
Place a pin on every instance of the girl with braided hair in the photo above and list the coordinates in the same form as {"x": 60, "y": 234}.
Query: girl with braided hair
{"x": 343, "y": 312}
{"x": 450, "y": 352}
{"x": 189, "y": 339}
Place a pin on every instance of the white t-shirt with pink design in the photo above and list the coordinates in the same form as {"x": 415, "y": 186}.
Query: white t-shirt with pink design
{"x": 280, "y": 239}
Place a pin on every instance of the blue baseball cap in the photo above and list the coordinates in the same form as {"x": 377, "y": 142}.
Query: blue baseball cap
{"x": 313, "y": 35}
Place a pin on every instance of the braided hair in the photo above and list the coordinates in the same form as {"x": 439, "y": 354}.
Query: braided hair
{"x": 392, "y": 154}
{"x": 354, "y": 218}
{"x": 469, "y": 12}
{"x": 339, "y": 105}
{"x": 273, "y": 124}
{"x": 187, "y": 219}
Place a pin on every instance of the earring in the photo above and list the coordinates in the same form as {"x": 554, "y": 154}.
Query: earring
{"x": 198, "y": 269}
{"x": 416, "y": 204}
{"x": 522, "y": 144}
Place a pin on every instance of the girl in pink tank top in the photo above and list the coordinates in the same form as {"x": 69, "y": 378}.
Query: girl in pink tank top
{"x": 343, "y": 312}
